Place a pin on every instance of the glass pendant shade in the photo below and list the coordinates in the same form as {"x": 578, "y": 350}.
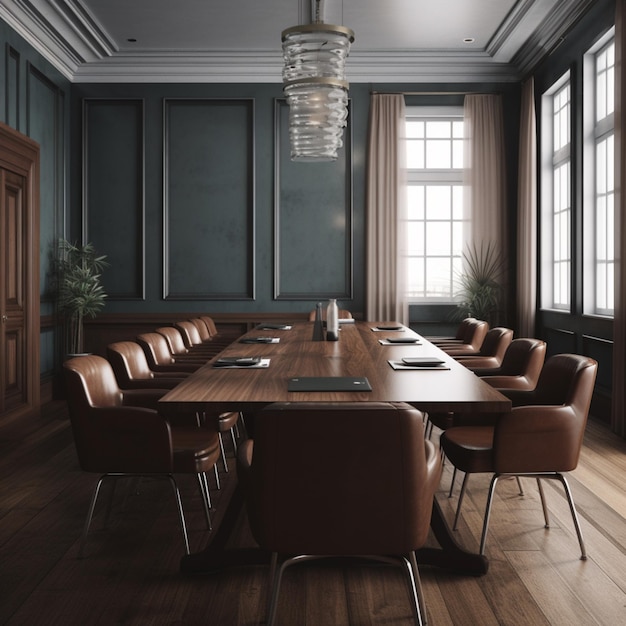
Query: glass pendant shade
{"x": 317, "y": 93}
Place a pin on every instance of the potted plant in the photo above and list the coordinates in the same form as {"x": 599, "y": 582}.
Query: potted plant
{"x": 480, "y": 283}
{"x": 80, "y": 293}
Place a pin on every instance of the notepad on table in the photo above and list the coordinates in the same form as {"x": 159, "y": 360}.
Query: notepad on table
{"x": 241, "y": 362}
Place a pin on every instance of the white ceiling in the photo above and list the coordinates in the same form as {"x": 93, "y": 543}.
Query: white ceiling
{"x": 239, "y": 40}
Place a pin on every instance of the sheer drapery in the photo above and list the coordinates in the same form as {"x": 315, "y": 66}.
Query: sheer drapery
{"x": 527, "y": 215}
{"x": 618, "y": 409}
{"x": 485, "y": 170}
{"x": 386, "y": 293}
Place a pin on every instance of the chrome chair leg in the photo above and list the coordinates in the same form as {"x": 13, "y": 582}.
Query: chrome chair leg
{"x": 461, "y": 496}
{"x": 181, "y": 515}
{"x": 572, "y": 508}
{"x": 206, "y": 502}
{"x": 492, "y": 488}
{"x": 107, "y": 515}
{"x": 234, "y": 439}
{"x": 221, "y": 439}
{"x": 217, "y": 477}
{"x": 543, "y": 504}
{"x": 92, "y": 506}
{"x": 452, "y": 483}
{"x": 417, "y": 593}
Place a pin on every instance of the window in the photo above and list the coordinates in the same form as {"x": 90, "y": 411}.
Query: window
{"x": 599, "y": 158}
{"x": 436, "y": 219}
{"x": 557, "y": 197}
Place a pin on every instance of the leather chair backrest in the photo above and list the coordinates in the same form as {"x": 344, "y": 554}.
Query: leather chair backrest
{"x": 558, "y": 382}
{"x": 129, "y": 362}
{"x": 90, "y": 382}
{"x": 463, "y": 326}
{"x": 475, "y": 333}
{"x": 156, "y": 349}
{"x": 341, "y": 478}
{"x": 174, "y": 339}
{"x": 203, "y": 329}
{"x": 210, "y": 324}
{"x": 496, "y": 342}
{"x": 189, "y": 332}
{"x": 524, "y": 357}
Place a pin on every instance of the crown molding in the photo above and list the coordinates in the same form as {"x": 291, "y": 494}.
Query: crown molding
{"x": 78, "y": 46}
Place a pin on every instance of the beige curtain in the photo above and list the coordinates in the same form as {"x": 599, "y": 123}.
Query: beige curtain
{"x": 527, "y": 216}
{"x": 485, "y": 175}
{"x": 619, "y": 322}
{"x": 386, "y": 297}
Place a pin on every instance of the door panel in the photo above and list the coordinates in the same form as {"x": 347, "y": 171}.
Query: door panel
{"x": 19, "y": 275}
{"x": 12, "y": 384}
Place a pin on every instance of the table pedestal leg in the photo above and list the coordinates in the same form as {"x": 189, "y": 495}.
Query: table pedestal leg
{"x": 215, "y": 557}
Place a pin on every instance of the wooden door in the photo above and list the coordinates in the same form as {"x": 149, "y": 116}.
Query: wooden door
{"x": 19, "y": 274}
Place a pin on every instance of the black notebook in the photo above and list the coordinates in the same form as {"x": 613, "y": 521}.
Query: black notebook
{"x": 329, "y": 383}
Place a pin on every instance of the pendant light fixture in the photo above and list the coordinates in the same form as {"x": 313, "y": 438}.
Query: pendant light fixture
{"x": 315, "y": 86}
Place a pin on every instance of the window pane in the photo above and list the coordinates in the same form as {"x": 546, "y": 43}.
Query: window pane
{"x": 414, "y": 129}
{"x": 438, "y": 238}
{"x": 438, "y": 154}
{"x": 415, "y": 154}
{"x": 435, "y": 204}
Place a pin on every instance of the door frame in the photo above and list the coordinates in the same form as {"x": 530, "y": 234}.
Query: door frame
{"x": 20, "y": 154}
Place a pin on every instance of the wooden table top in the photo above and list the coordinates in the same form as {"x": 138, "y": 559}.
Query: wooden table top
{"x": 357, "y": 353}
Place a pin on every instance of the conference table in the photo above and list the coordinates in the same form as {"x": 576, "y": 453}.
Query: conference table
{"x": 371, "y": 362}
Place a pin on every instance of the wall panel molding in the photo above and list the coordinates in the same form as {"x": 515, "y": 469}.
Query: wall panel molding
{"x": 208, "y": 199}
{"x": 312, "y": 204}
{"x": 114, "y": 191}
{"x": 45, "y": 123}
{"x": 12, "y": 87}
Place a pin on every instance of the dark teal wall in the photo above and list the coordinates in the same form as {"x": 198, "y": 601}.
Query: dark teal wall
{"x": 198, "y": 178}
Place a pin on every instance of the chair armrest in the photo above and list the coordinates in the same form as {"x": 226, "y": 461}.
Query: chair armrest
{"x": 146, "y": 398}
{"x": 125, "y": 440}
{"x": 506, "y": 384}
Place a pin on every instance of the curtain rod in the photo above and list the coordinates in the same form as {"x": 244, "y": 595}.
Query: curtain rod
{"x": 433, "y": 93}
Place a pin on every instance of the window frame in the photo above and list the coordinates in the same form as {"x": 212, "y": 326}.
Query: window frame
{"x": 432, "y": 177}
{"x": 552, "y": 160}
{"x": 594, "y": 133}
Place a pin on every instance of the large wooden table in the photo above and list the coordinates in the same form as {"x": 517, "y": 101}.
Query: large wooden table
{"x": 358, "y": 353}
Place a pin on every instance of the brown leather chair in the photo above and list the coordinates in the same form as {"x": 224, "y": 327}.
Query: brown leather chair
{"x": 115, "y": 438}
{"x": 458, "y": 337}
{"x": 473, "y": 338}
{"x": 193, "y": 342}
{"x": 492, "y": 351}
{"x": 344, "y": 314}
{"x": 132, "y": 371}
{"x": 177, "y": 346}
{"x": 541, "y": 437}
{"x": 216, "y": 337}
{"x": 159, "y": 357}
{"x": 317, "y": 495}
{"x": 520, "y": 368}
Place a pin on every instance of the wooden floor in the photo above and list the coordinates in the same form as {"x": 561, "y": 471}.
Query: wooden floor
{"x": 131, "y": 573}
